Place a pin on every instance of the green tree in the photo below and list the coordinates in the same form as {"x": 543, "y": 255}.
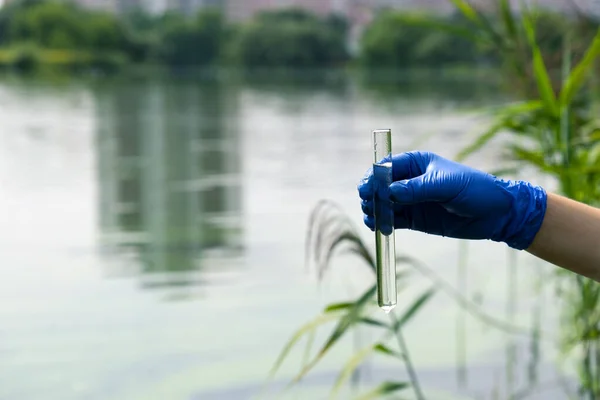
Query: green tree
{"x": 104, "y": 32}
{"x": 400, "y": 40}
{"x": 290, "y": 38}
{"x": 49, "y": 24}
{"x": 196, "y": 42}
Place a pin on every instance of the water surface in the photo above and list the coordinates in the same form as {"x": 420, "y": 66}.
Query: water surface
{"x": 152, "y": 235}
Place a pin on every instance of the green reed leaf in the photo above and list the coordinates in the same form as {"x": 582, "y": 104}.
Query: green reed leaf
{"x": 539, "y": 68}
{"x": 374, "y": 322}
{"x": 481, "y": 141}
{"x": 383, "y": 349}
{"x": 308, "y": 348}
{"x": 480, "y": 20}
{"x": 347, "y": 238}
{"x": 412, "y": 310}
{"x": 345, "y": 322}
{"x": 508, "y": 18}
{"x": 303, "y": 330}
{"x": 350, "y": 366}
{"x": 350, "y": 318}
{"x": 385, "y": 388}
{"x": 338, "y": 307}
{"x": 467, "y": 10}
{"x": 533, "y": 157}
{"x": 580, "y": 72}
{"x": 504, "y": 121}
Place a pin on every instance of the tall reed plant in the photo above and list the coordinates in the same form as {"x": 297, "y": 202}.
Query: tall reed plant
{"x": 554, "y": 129}
{"x": 330, "y": 234}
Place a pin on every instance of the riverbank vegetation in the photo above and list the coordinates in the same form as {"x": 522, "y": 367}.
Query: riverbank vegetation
{"x": 55, "y": 33}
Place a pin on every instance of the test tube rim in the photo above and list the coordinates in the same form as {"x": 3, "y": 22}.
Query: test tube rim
{"x": 388, "y": 135}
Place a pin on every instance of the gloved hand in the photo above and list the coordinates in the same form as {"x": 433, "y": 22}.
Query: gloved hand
{"x": 434, "y": 195}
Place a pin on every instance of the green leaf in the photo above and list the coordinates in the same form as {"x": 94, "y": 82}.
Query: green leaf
{"x": 539, "y": 68}
{"x": 513, "y": 110}
{"x": 383, "y": 389}
{"x": 508, "y": 18}
{"x": 305, "y": 329}
{"x": 374, "y": 322}
{"x": 337, "y": 307}
{"x": 505, "y": 171}
{"x": 579, "y": 73}
{"x": 467, "y": 10}
{"x": 357, "y": 243}
{"x": 347, "y": 320}
{"x": 481, "y": 141}
{"x": 478, "y": 19}
{"x": 381, "y": 348}
{"x": 504, "y": 121}
{"x": 350, "y": 367}
{"x": 412, "y": 310}
{"x": 535, "y": 158}
{"x": 309, "y": 343}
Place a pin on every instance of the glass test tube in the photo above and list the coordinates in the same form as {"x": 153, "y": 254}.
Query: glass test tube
{"x": 384, "y": 217}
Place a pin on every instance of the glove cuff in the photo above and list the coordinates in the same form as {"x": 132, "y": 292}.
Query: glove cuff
{"x": 529, "y": 209}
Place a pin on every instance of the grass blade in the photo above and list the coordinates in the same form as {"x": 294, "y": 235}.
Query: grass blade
{"x": 412, "y": 310}
{"x": 381, "y": 348}
{"x": 338, "y": 307}
{"x": 305, "y": 329}
{"x": 346, "y": 237}
{"x": 478, "y": 19}
{"x": 307, "y": 349}
{"x": 467, "y": 10}
{"x": 508, "y": 18}
{"x": 344, "y": 323}
{"x": 579, "y": 73}
{"x": 383, "y": 389}
{"x": 539, "y": 68}
{"x": 505, "y": 116}
{"x": 536, "y": 158}
{"x": 348, "y": 319}
{"x": 350, "y": 367}
{"x": 481, "y": 141}
{"x": 374, "y": 322}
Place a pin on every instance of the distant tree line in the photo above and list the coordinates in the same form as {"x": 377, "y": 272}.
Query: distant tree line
{"x": 46, "y": 31}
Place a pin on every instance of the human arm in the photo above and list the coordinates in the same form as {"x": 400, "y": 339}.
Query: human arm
{"x": 570, "y": 237}
{"x": 434, "y": 195}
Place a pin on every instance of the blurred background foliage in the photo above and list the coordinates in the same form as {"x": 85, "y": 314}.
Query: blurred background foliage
{"x": 62, "y": 33}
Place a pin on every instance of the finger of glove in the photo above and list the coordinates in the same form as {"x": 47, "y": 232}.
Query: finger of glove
{"x": 367, "y": 207}
{"x": 369, "y": 221}
{"x": 421, "y": 189}
{"x": 400, "y": 222}
{"x": 365, "y": 186}
{"x": 409, "y": 165}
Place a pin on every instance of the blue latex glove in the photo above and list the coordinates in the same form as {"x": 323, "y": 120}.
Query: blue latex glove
{"x": 434, "y": 195}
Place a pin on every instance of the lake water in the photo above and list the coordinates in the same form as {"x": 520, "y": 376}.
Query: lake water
{"x": 152, "y": 238}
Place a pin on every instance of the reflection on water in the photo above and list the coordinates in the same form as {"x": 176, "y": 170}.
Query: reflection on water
{"x": 169, "y": 165}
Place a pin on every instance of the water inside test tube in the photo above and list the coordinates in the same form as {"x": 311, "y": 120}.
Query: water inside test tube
{"x": 385, "y": 244}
